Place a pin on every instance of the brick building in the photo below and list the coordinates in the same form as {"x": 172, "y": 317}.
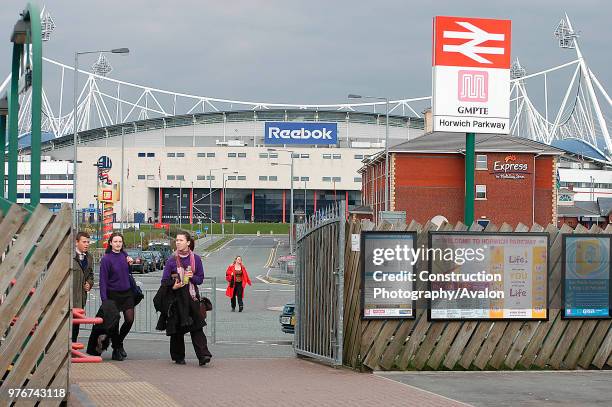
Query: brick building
{"x": 515, "y": 179}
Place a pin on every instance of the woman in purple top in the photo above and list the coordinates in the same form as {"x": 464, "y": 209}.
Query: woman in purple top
{"x": 179, "y": 292}
{"x": 115, "y": 286}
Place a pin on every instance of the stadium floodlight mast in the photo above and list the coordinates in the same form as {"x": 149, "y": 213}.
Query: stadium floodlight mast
{"x": 210, "y": 197}
{"x": 386, "y": 99}
{"x": 291, "y": 207}
{"x": 75, "y": 131}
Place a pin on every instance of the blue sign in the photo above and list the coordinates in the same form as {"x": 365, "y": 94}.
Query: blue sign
{"x": 301, "y": 133}
{"x": 205, "y": 227}
{"x": 198, "y": 232}
{"x": 586, "y": 272}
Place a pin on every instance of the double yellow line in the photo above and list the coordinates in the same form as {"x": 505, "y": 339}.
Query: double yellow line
{"x": 271, "y": 257}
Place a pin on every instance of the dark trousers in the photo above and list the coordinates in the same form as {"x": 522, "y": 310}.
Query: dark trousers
{"x": 238, "y": 292}
{"x": 75, "y": 332}
{"x": 198, "y": 339}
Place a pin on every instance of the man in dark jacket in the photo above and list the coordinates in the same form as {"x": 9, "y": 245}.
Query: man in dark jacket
{"x": 82, "y": 275}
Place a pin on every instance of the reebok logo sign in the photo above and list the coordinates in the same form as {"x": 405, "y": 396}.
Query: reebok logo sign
{"x": 301, "y": 133}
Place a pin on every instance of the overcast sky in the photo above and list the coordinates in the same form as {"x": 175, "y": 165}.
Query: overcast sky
{"x": 314, "y": 51}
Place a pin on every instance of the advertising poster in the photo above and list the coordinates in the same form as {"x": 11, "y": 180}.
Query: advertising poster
{"x": 387, "y": 261}
{"x": 586, "y": 276}
{"x": 488, "y": 276}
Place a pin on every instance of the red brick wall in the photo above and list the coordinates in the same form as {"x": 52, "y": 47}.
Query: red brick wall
{"x": 427, "y": 185}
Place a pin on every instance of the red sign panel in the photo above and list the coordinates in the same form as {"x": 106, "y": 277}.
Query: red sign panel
{"x": 471, "y": 42}
{"x": 161, "y": 226}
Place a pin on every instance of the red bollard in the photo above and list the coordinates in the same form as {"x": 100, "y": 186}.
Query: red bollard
{"x": 79, "y": 318}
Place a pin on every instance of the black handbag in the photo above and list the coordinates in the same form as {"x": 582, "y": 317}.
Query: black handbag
{"x": 136, "y": 290}
{"x": 205, "y": 305}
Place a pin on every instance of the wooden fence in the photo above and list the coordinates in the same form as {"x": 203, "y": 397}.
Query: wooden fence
{"x": 34, "y": 312}
{"x": 472, "y": 345}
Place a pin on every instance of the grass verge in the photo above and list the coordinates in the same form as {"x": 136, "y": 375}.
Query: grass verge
{"x": 214, "y": 246}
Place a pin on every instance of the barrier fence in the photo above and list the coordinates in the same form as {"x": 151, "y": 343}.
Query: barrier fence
{"x": 419, "y": 344}
{"x": 145, "y": 316}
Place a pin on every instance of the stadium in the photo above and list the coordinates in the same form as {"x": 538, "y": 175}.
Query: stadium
{"x": 180, "y": 169}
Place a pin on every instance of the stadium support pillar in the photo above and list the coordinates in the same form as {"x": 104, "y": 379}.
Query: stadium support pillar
{"x": 191, "y": 206}
{"x": 315, "y": 200}
{"x": 253, "y": 205}
{"x": 161, "y": 194}
{"x": 221, "y": 208}
{"x": 284, "y": 204}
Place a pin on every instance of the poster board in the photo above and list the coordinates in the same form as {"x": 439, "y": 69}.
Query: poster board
{"x": 505, "y": 278}
{"x": 384, "y": 274}
{"x": 586, "y": 269}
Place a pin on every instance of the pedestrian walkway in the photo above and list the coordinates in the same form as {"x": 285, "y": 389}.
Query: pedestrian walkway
{"x": 239, "y": 382}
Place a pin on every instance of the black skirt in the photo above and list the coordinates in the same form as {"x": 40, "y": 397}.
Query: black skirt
{"x": 123, "y": 299}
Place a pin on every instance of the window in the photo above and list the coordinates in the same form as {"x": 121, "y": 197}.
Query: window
{"x": 263, "y": 155}
{"x": 336, "y": 179}
{"x": 142, "y": 154}
{"x": 166, "y": 196}
{"x": 242, "y": 155}
{"x": 201, "y": 177}
{"x": 296, "y": 178}
{"x": 180, "y": 178}
{"x": 141, "y": 177}
{"x": 263, "y": 178}
{"x": 357, "y": 179}
{"x": 180, "y": 155}
{"x": 272, "y": 178}
{"x": 170, "y": 177}
{"x": 481, "y": 192}
{"x": 210, "y": 178}
{"x": 273, "y": 155}
{"x": 304, "y": 155}
{"x": 358, "y": 156}
{"x": 170, "y": 155}
{"x": 201, "y": 155}
{"x": 150, "y": 177}
{"x": 295, "y": 155}
{"x": 326, "y": 179}
{"x": 210, "y": 155}
{"x": 231, "y": 178}
{"x": 241, "y": 177}
{"x": 305, "y": 179}
{"x": 481, "y": 162}
{"x": 150, "y": 155}
{"x": 231, "y": 155}
{"x": 327, "y": 156}
{"x": 337, "y": 156}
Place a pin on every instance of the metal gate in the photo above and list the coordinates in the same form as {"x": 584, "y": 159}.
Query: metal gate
{"x": 319, "y": 285}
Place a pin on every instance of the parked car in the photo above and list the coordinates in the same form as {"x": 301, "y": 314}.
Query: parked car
{"x": 163, "y": 247}
{"x": 151, "y": 261}
{"x": 140, "y": 264}
{"x": 287, "y": 318}
{"x": 159, "y": 259}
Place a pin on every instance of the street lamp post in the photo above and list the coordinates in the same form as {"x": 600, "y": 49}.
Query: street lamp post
{"x": 223, "y": 203}
{"x": 75, "y": 131}
{"x": 291, "y": 202}
{"x": 387, "y": 184}
{"x": 210, "y": 196}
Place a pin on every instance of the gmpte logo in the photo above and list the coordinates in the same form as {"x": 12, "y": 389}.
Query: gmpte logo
{"x": 473, "y": 86}
{"x": 299, "y": 134}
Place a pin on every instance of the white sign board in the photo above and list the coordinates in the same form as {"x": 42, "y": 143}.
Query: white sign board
{"x": 471, "y": 75}
{"x": 355, "y": 240}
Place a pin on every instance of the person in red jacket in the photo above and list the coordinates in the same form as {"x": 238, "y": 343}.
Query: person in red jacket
{"x": 237, "y": 278}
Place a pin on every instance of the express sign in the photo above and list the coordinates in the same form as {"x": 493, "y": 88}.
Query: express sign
{"x": 471, "y": 75}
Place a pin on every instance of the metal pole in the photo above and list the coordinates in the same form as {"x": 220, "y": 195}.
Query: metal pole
{"x": 291, "y": 210}
{"x": 387, "y": 184}
{"x": 222, "y": 218}
{"x": 122, "y": 178}
{"x": 305, "y": 194}
{"x": 180, "y": 205}
{"x": 470, "y": 146}
{"x": 2, "y": 155}
{"x": 75, "y": 138}
{"x": 210, "y": 201}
